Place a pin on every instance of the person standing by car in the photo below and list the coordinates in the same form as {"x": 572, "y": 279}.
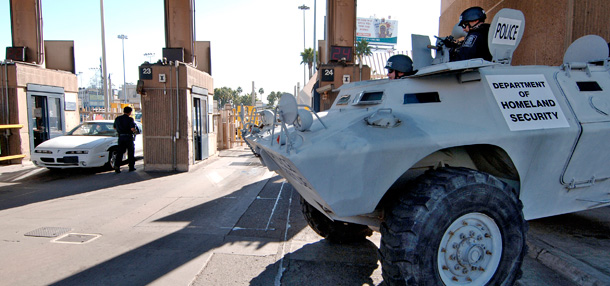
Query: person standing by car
{"x": 127, "y": 129}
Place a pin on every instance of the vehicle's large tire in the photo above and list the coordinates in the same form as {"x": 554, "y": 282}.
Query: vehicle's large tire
{"x": 454, "y": 226}
{"x": 334, "y": 231}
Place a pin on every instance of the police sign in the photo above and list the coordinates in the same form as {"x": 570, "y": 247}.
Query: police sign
{"x": 507, "y": 31}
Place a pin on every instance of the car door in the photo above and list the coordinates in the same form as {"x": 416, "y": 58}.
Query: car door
{"x": 139, "y": 145}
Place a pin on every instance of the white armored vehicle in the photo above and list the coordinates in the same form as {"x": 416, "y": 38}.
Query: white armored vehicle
{"x": 449, "y": 163}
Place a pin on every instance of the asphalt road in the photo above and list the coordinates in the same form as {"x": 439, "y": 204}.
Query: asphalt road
{"x": 226, "y": 222}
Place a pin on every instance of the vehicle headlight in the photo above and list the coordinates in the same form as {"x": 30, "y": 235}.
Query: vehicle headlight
{"x": 78, "y": 152}
{"x": 43, "y": 151}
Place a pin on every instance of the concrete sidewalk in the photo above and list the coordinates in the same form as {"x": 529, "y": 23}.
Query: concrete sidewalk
{"x": 576, "y": 246}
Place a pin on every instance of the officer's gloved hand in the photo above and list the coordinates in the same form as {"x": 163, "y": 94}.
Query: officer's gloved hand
{"x": 449, "y": 42}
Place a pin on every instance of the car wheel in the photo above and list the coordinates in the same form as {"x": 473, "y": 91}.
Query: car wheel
{"x": 112, "y": 158}
{"x": 454, "y": 226}
{"x": 334, "y": 231}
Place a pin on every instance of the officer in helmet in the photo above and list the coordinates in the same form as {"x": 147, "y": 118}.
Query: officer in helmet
{"x": 399, "y": 66}
{"x": 472, "y": 21}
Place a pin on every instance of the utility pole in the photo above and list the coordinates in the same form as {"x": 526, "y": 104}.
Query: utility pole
{"x": 123, "y": 38}
{"x": 104, "y": 71}
{"x": 303, "y": 7}
{"x": 253, "y": 95}
{"x": 315, "y": 45}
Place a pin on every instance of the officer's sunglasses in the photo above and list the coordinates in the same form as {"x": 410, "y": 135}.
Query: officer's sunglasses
{"x": 467, "y": 24}
{"x": 390, "y": 70}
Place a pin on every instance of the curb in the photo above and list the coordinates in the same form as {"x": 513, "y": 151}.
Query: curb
{"x": 565, "y": 265}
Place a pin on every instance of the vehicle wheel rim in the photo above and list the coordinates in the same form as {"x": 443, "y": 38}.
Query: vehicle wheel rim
{"x": 113, "y": 159}
{"x": 470, "y": 250}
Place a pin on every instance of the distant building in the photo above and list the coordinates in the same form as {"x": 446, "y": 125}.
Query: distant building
{"x": 91, "y": 98}
{"x": 132, "y": 96}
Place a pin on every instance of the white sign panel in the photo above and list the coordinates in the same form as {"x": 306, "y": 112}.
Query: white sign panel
{"x": 377, "y": 31}
{"x": 210, "y": 113}
{"x": 507, "y": 31}
{"x": 69, "y": 101}
{"x": 527, "y": 102}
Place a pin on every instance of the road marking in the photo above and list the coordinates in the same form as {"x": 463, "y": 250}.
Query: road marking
{"x": 30, "y": 173}
{"x": 245, "y": 228}
{"x": 280, "y": 271}
{"x": 275, "y": 205}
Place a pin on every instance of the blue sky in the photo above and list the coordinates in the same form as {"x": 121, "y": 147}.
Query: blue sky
{"x": 256, "y": 41}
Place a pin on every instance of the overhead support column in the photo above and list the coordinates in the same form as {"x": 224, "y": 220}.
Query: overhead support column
{"x": 179, "y": 28}
{"x": 25, "y": 79}
{"x": 177, "y": 96}
{"x": 338, "y": 65}
{"x": 26, "y": 29}
{"x": 341, "y": 23}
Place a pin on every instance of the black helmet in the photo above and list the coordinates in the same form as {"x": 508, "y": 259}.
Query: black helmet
{"x": 472, "y": 14}
{"x": 401, "y": 63}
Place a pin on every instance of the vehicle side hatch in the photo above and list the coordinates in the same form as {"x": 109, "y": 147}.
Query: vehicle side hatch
{"x": 585, "y": 81}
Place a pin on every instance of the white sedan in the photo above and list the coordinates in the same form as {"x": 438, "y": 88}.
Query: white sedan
{"x": 90, "y": 144}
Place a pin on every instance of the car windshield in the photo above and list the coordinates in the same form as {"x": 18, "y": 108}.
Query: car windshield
{"x": 94, "y": 129}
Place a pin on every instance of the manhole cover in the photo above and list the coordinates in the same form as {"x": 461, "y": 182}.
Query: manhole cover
{"x": 77, "y": 238}
{"x": 48, "y": 232}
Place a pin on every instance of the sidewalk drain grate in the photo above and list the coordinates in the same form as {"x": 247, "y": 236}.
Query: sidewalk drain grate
{"x": 77, "y": 238}
{"x": 48, "y": 232}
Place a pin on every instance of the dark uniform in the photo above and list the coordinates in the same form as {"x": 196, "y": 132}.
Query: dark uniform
{"x": 474, "y": 45}
{"x": 123, "y": 125}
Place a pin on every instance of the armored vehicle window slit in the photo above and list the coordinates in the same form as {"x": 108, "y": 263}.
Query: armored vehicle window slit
{"x": 369, "y": 97}
{"x": 424, "y": 97}
{"x": 588, "y": 86}
{"x": 343, "y": 100}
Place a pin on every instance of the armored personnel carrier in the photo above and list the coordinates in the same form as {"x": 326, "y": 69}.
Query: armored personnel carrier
{"x": 449, "y": 163}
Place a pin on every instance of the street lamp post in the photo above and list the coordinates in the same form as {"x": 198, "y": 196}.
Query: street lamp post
{"x": 123, "y": 38}
{"x": 80, "y": 77}
{"x": 103, "y": 70}
{"x": 303, "y": 7}
{"x": 315, "y": 45}
{"x": 149, "y": 55}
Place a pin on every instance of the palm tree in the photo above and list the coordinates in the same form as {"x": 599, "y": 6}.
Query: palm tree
{"x": 261, "y": 91}
{"x": 362, "y": 49}
{"x": 307, "y": 57}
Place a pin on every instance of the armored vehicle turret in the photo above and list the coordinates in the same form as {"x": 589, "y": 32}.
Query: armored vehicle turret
{"x": 449, "y": 163}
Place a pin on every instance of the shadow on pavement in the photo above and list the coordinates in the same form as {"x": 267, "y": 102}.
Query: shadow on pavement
{"x": 236, "y": 221}
{"x": 583, "y": 235}
{"x": 210, "y": 226}
{"x": 324, "y": 263}
{"x": 31, "y": 185}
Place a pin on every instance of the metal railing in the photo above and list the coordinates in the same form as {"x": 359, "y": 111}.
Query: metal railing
{"x": 11, "y": 157}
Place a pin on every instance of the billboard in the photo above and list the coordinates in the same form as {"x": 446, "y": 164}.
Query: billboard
{"x": 377, "y": 31}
